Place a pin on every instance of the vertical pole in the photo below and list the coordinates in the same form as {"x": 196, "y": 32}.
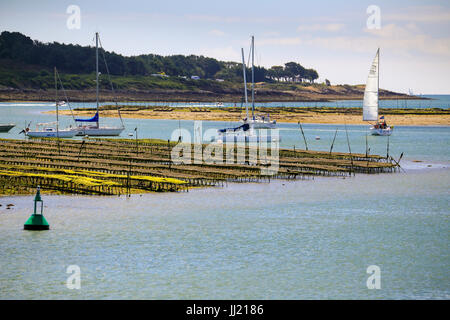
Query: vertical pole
{"x": 349, "y": 149}
{"x": 56, "y": 103}
{"x": 303, "y": 134}
{"x": 387, "y": 150}
{"x": 244, "y": 70}
{"x": 168, "y": 148}
{"x": 128, "y": 178}
{"x": 332, "y": 144}
{"x": 96, "y": 70}
{"x": 366, "y": 145}
{"x": 137, "y": 146}
{"x": 378, "y": 82}
{"x": 57, "y": 113}
{"x": 253, "y": 77}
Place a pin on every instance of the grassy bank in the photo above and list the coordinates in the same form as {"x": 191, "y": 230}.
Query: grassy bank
{"x": 20, "y": 82}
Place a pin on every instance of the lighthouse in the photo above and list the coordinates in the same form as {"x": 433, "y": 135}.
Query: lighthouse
{"x": 37, "y": 220}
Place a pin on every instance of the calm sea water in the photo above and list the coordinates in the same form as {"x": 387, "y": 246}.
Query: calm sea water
{"x": 428, "y": 143}
{"x": 283, "y": 240}
{"x": 431, "y": 101}
{"x": 279, "y": 240}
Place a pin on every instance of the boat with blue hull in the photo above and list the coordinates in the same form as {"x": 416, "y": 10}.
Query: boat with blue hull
{"x": 93, "y": 128}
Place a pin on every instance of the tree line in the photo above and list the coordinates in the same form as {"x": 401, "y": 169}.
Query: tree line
{"x": 78, "y": 59}
{"x": 292, "y": 72}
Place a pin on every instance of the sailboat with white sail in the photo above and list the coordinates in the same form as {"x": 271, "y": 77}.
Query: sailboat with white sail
{"x": 92, "y": 129}
{"x": 51, "y": 129}
{"x": 371, "y": 101}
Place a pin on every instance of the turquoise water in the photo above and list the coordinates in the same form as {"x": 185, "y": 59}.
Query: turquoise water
{"x": 431, "y": 101}
{"x": 311, "y": 239}
{"x": 416, "y": 142}
{"x": 283, "y": 240}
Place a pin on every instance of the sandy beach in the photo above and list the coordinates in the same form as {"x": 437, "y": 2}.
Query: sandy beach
{"x": 411, "y": 119}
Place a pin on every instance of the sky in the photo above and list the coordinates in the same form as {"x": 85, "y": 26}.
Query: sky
{"x": 337, "y": 38}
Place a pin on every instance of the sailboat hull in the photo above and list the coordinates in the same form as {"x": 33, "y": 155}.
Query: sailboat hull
{"x": 6, "y": 127}
{"x": 99, "y": 132}
{"x": 51, "y": 134}
{"x": 259, "y": 124}
{"x": 381, "y": 132}
{"x": 244, "y": 138}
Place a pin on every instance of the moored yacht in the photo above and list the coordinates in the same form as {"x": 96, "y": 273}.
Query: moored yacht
{"x": 51, "y": 129}
{"x": 93, "y": 127}
{"x": 256, "y": 121}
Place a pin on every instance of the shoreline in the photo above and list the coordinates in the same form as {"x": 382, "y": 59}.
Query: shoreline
{"x": 229, "y": 99}
{"x": 265, "y": 93}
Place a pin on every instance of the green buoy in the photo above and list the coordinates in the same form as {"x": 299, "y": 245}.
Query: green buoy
{"x": 37, "y": 220}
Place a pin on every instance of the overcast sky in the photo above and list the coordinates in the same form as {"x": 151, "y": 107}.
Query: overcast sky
{"x": 330, "y": 36}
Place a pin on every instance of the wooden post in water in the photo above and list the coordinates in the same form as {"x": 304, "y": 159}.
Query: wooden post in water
{"x": 387, "y": 150}
{"x": 128, "y": 178}
{"x": 366, "y": 146}
{"x": 303, "y": 134}
{"x": 332, "y": 144}
{"x": 349, "y": 149}
{"x": 168, "y": 150}
{"x": 137, "y": 146}
{"x": 81, "y": 147}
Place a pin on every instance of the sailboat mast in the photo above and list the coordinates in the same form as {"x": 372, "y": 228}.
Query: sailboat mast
{"x": 253, "y": 77}
{"x": 96, "y": 68}
{"x": 56, "y": 104}
{"x": 245, "y": 82}
{"x": 378, "y": 83}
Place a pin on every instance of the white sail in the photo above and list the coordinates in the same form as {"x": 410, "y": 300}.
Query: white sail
{"x": 370, "y": 104}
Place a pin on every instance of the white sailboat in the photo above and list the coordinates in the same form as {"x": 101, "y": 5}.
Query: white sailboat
{"x": 244, "y": 132}
{"x": 51, "y": 129}
{"x": 248, "y": 131}
{"x": 371, "y": 101}
{"x": 96, "y": 129}
{"x": 256, "y": 121}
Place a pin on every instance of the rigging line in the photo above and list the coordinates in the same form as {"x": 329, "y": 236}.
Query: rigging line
{"x": 257, "y": 58}
{"x": 349, "y": 149}
{"x": 109, "y": 79}
{"x": 65, "y": 94}
{"x": 248, "y": 58}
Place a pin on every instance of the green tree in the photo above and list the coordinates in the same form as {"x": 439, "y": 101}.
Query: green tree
{"x": 76, "y": 59}
{"x": 276, "y": 73}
